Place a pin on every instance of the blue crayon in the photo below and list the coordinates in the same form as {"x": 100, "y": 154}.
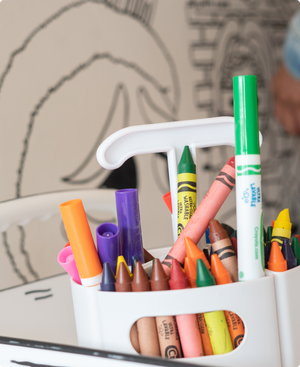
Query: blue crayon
{"x": 288, "y": 254}
{"x": 108, "y": 279}
{"x": 207, "y": 236}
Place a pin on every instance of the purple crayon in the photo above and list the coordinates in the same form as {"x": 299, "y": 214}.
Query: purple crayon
{"x": 128, "y": 213}
{"x": 108, "y": 279}
{"x": 288, "y": 254}
{"x": 108, "y": 243}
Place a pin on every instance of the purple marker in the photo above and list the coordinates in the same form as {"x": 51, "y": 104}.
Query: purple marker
{"x": 108, "y": 243}
{"x": 67, "y": 261}
{"x": 129, "y": 222}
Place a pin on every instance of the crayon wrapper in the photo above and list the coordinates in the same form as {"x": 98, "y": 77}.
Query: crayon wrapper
{"x": 186, "y": 198}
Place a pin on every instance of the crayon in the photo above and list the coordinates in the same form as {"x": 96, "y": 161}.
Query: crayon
{"x": 207, "y": 253}
{"x": 276, "y": 261}
{"x": 267, "y": 250}
{"x": 288, "y": 254}
{"x": 210, "y": 254}
{"x": 146, "y": 326}
{"x": 250, "y": 231}
{"x": 168, "y": 200}
{"x": 269, "y": 233}
{"x": 205, "y": 211}
{"x": 190, "y": 271}
{"x": 234, "y": 245}
{"x": 122, "y": 260}
{"x": 298, "y": 236}
{"x": 194, "y": 252}
{"x": 123, "y": 284}
{"x": 296, "y": 249}
{"x": 129, "y": 222}
{"x": 282, "y": 227}
{"x": 187, "y": 189}
{"x": 147, "y": 256}
{"x": 67, "y": 261}
{"x": 188, "y": 327}
{"x": 108, "y": 279}
{"x": 216, "y": 322}
{"x": 134, "y": 260}
{"x": 207, "y": 348}
{"x": 207, "y": 240}
{"x": 234, "y": 322}
{"x": 168, "y": 336}
{"x": 230, "y": 231}
{"x": 108, "y": 244}
{"x": 222, "y": 246}
{"x": 82, "y": 243}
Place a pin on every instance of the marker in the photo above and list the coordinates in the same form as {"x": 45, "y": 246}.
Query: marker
{"x": 276, "y": 261}
{"x": 108, "y": 279}
{"x": 167, "y": 331}
{"x": 194, "y": 252}
{"x": 234, "y": 322}
{"x": 67, "y": 261}
{"x": 249, "y": 216}
{"x": 187, "y": 189}
{"x": 215, "y": 321}
{"x": 288, "y": 254}
{"x": 82, "y": 243}
{"x": 122, "y": 260}
{"x": 146, "y": 326}
{"x": 296, "y": 249}
{"x": 123, "y": 284}
{"x": 188, "y": 327}
{"x": 282, "y": 227}
{"x": 128, "y": 213}
{"x": 108, "y": 244}
{"x": 207, "y": 209}
{"x": 222, "y": 246}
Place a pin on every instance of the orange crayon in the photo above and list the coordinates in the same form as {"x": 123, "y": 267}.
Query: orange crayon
{"x": 234, "y": 322}
{"x": 206, "y": 211}
{"x": 276, "y": 260}
{"x": 82, "y": 243}
{"x": 207, "y": 348}
{"x": 195, "y": 253}
{"x": 190, "y": 271}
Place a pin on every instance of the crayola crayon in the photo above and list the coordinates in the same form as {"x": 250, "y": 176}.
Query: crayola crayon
{"x": 276, "y": 261}
{"x": 168, "y": 336}
{"x": 168, "y": 200}
{"x": 234, "y": 322}
{"x": 207, "y": 240}
{"x": 216, "y": 322}
{"x": 269, "y": 233}
{"x": 82, "y": 243}
{"x": 108, "y": 279}
{"x": 282, "y": 227}
{"x": 187, "y": 189}
{"x": 188, "y": 327}
{"x": 222, "y": 246}
{"x": 206, "y": 210}
{"x": 147, "y": 256}
{"x": 122, "y": 260}
{"x": 190, "y": 271}
{"x": 134, "y": 260}
{"x": 296, "y": 249}
{"x": 194, "y": 252}
{"x": 234, "y": 245}
{"x": 207, "y": 348}
{"x": 146, "y": 326}
{"x": 249, "y": 214}
{"x": 123, "y": 284}
{"x": 230, "y": 231}
{"x": 288, "y": 254}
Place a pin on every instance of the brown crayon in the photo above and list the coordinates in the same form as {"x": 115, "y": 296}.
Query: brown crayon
{"x": 222, "y": 246}
{"x": 168, "y": 336}
{"x": 146, "y": 326}
{"x": 123, "y": 284}
{"x": 147, "y": 256}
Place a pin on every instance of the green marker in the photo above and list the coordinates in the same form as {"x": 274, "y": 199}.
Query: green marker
{"x": 216, "y": 322}
{"x": 187, "y": 189}
{"x": 248, "y": 179}
{"x": 296, "y": 249}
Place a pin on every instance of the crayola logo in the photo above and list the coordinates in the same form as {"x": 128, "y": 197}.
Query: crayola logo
{"x": 252, "y": 195}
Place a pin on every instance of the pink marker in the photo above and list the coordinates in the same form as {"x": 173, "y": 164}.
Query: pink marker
{"x": 67, "y": 261}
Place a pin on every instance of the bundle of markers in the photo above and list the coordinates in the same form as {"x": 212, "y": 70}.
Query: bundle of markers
{"x": 231, "y": 256}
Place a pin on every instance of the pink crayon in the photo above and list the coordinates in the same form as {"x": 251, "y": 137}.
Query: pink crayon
{"x": 207, "y": 209}
{"x": 188, "y": 328}
{"x": 67, "y": 261}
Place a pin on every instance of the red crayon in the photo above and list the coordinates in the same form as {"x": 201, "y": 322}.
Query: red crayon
{"x": 188, "y": 327}
{"x": 206, "y": 211}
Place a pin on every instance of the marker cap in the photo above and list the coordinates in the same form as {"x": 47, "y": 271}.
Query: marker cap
{"x": 108, "y": 243}
{"x": 246, "y": 115}
{"x": 67, "y": 261}
{"x": 276, "y": 261}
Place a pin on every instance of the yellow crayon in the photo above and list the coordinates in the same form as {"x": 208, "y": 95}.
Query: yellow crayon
{"x": 122, "y": 260}
{"x": 282, "y": 227}
{"x": 187, "y": 189}
{"x": 218, "y": 332}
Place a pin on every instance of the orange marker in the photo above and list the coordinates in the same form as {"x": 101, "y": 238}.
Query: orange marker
{"x": 194, "y": 252}
{"x": 234, "y": 322}
{"x": 82, "y": 243}
{"x": 276, "y": 260}
{"x": 190, "y": 271}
